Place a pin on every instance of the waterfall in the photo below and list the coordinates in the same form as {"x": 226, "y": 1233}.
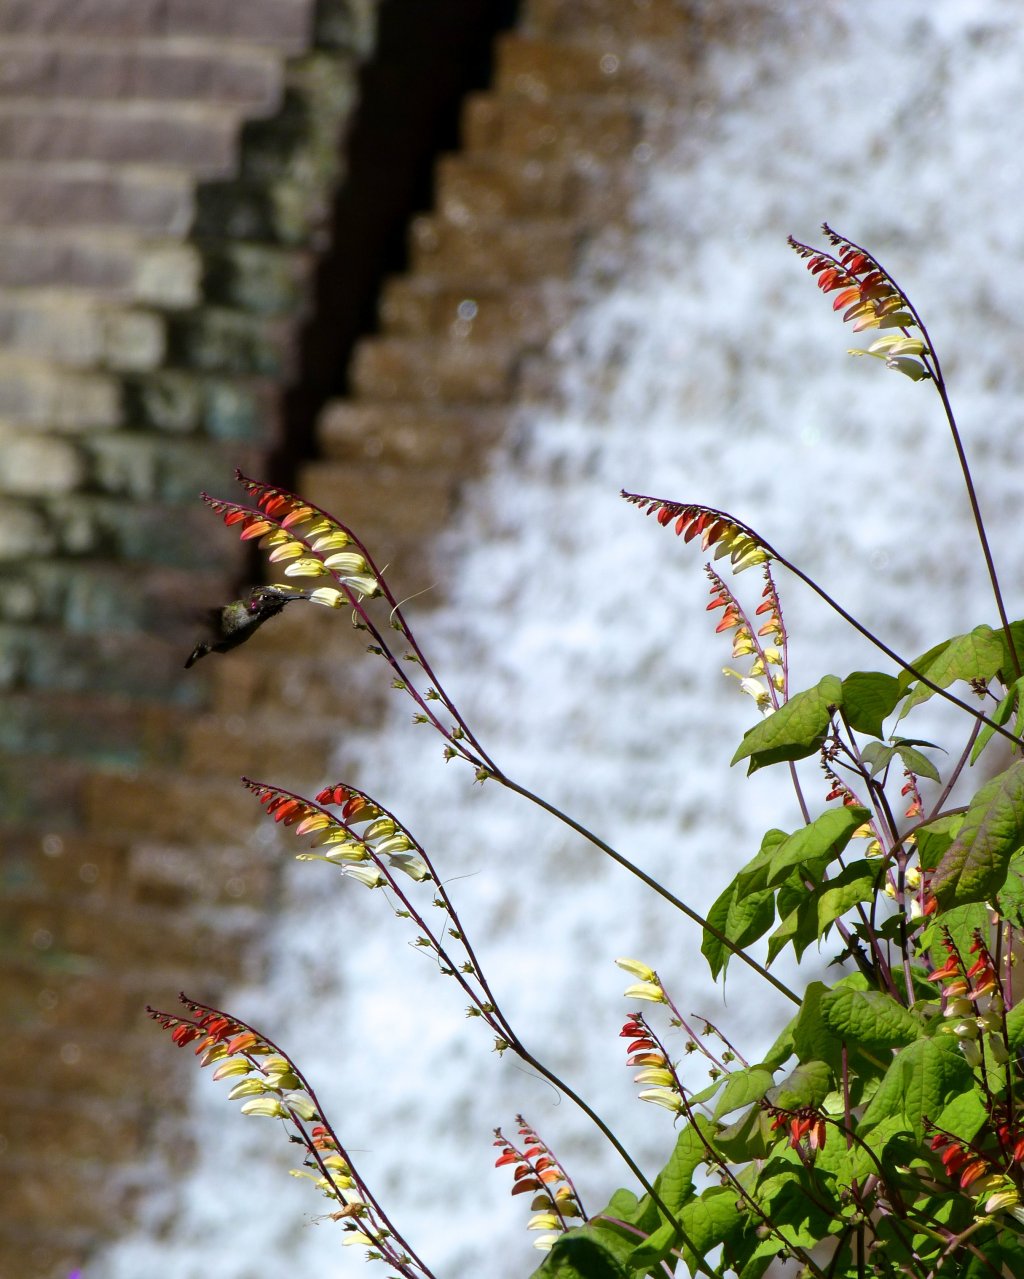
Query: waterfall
{"x": 707, "y": 368}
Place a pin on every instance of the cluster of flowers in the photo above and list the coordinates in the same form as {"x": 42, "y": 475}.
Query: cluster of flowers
{"x": 555, "y": 1203}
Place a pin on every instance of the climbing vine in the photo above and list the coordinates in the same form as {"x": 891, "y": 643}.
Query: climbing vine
{"x": 883, "y": 1131}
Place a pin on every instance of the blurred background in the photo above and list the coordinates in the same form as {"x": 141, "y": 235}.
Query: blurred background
{"x": 458, "y": 271}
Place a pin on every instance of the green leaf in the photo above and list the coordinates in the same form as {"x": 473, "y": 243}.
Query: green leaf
{"x": 977, "y": 655}
{"x": 675, "y": 1181}
{"x": 856, "y": 883}
{"x": 868, "y": 698}
{"x": 976, "y": 864}
{"x": 879, "y": 757}
{"x": 922, "y": 1080}
{"x": 869, "y": 1018}
{"x": 999, "y": 716}
{"x": 812, "y": 1037}
{"x": 743, "y": 917}
{"x": 587, "y": 1253}
{"x": 813, "y": 847}
{"x": 795, "y": 730}
{"x": 808, "y": 1084}
{"x": 712, "y": 1219}
{"x": 796, "y": 905}
{"x": 646, "y": 1257}
{"x": 755, "y": 874}
{"x": 936, "y": 837}
{"x": 1015, "y": 1027}
{"x": 743, "y": 1087}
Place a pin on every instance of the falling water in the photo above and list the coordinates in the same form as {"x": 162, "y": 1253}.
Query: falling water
{"x": 577, "y": 643}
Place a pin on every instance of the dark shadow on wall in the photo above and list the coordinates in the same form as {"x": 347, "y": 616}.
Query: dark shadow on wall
{"x": 430, "y": 54}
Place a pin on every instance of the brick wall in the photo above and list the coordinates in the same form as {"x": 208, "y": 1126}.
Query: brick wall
{"x": 175, "y": 172}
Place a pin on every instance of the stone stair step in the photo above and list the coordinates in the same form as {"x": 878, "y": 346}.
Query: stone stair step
{"x": 108, "y": 265}
{"x": 91, "y": 598}
{"x": 34, "y": 394}
{"x": 150, "y": 68}
{"x": 282, "y": 24}
{"x": 146, "y": 468}
{"x": 583, "y": 129}
{"x": 64, "y": 194}
{"x": 482, "y": 186}
{"x": 495, "y": 251}
{"x": 525, "y": 314}
{"x": 45, "y": 659}
{"x": 397, "y": 512}
{"x": 78, "y": 332}
{"x": 227, "y": 340}
{"x": 387, "y": 368}
{"x": 413, "y": 436}
{"x": 237, "y": 409}
{"x": 201, "y": 140}
{"x": 182, "y": 535}
{"x": 539, "y": 68}
{"x": 120, "y": 733}
{"x": 598, "y": 20}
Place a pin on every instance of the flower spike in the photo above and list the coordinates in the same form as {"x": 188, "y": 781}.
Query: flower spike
{"x": 270, "y": 1085}
{"x": 870, "y": 298}
{"x": 555, "y": 1201}
{"x": 714, "y": 528}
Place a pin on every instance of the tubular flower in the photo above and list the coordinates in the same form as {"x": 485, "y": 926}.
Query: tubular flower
{"x": 714, "y": 528}
{"x": 269, "y": 1084}
{"x": 869, "y": 298}
{"x": 303, "y": 538}
{"x": 383, "y": 842}
{"x": 805, "y": 1123}
{"x": 555, "y": 1203}
{"x": 747, "y": 640}
{"x": 646, "y": 1051}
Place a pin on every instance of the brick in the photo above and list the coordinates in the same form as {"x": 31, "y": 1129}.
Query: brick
{"x": 52, "y": 1253}
{"x": 69, "y": 330}
{"x": 487, "y": 187}
{"x": 147, "y": 468}
{"x": 413, "y": 436}
{"x": 539, "y": 69}
{"x": 181, "y": 402}
{"x": 39, "y": 865}
{"x": 155, "y": 71}
{"x": 259, "y": 278}
{"x": 34, "y": 394}
{"x": 410, "y": 369}
{"x": 527, "y": 315}
{"x": 40, "y": 195}
{"x": 586, "y": 130}
{"x": 155, "y": 534}
{"x": 216, "y": 339}
{"x": 412, "y": 506}
{"x": 201, "y": 140}
{"x": 178, "y": 876}
{"x": 23, "y": 531}
{"x": 39, "y": 465}
{"x": 600, "y": 20}
{"x": 53, "y": 1129}
{"x": 108, "y": 266}
{"x": 169, "y": 807}
{"x": 121, "y": 733}
{"x": 286, "y": 24}
{"x": 37, "y": 657}
{"x": 299, "y": 746}
{"x": 283, "y": 24}
{"x": 495, "y": 252}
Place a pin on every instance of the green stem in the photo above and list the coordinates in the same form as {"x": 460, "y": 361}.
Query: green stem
{"x": 652, "y": 883}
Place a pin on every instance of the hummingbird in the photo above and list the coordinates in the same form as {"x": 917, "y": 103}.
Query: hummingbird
{"x": 232, "y": 624}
